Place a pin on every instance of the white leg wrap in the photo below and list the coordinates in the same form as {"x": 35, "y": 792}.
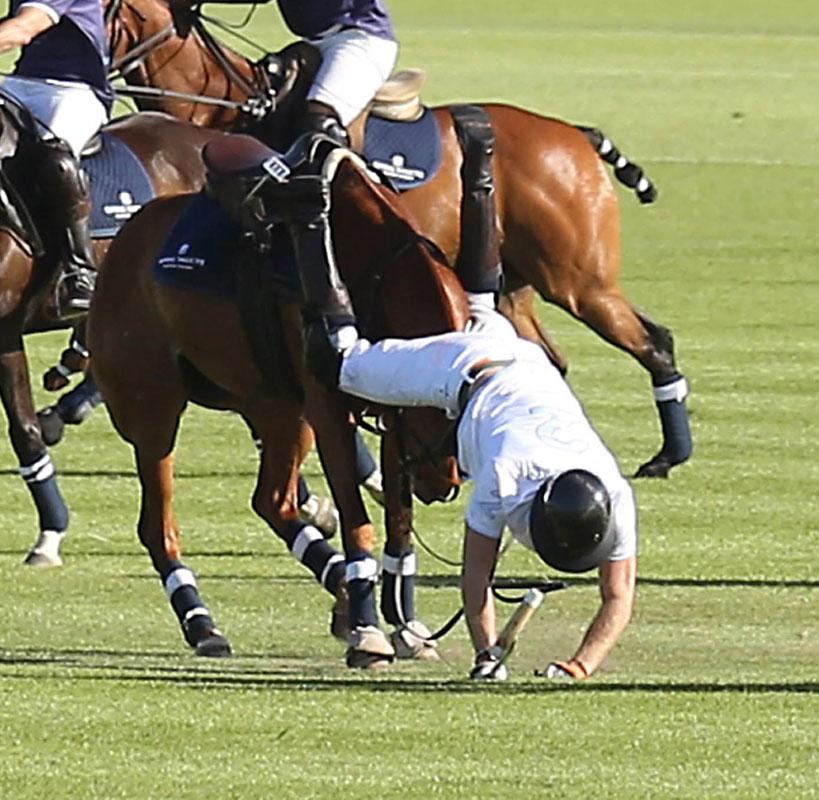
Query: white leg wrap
{"x": 41, "y": 470}
{"x": 678, "y": 390}
{"x": 305, "y": 537}
{"x": 365, "y": 569}
{"x": 331, "y": 562}
{"x": 177, "y": 579}
{"x": 403, "y": 565}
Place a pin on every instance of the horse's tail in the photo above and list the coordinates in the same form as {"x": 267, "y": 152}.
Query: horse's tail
{"x": 626, "y": 171}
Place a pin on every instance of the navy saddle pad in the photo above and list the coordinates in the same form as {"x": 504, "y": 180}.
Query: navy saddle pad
{"x": 201, "y": 253}
{"x": 120, "y": 186}
{"x": 409, "y": 153}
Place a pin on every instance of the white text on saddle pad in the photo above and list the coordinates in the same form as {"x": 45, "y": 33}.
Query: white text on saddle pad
{"x": 397, "y": 169}
{"x": 125, "y": 209}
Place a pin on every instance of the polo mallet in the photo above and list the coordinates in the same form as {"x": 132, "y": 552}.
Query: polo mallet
{"x": 520, "y": 617}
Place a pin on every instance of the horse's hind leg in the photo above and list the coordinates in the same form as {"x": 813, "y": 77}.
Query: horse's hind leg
{"x": 614, "y": 318}
{"x": 517, "y": 305}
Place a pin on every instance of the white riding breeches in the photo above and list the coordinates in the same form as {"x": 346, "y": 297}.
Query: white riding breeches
{"x": 354, "y": 66}
{"x": 70, "y": 111}
{"x": 429, "y": 371}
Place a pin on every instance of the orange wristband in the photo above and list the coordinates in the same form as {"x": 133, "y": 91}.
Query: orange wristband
{"x": 575, "y": 668}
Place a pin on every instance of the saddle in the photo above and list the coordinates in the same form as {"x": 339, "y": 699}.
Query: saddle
{"x": 251, "y": 181}
{"x": 17, "y": 130}
{"x": 290, "y": 72}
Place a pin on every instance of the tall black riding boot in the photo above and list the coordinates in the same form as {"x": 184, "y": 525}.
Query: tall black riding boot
{"x": 320, "y": 118}
{"x": 66, "y": 188}
{"x": 479, "y": 264}
{"x": 329, "y": 315}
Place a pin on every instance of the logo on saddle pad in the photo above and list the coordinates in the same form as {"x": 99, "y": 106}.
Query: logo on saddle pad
{"x": 396, "y": 169}
{"x": 181, "y": 259}
{"x": 124, "y": 209}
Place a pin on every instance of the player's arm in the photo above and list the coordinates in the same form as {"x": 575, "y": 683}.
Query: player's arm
{"x": 480, "y": 554}
{"x": 29, "y": 22}
{"x": 617, "y": 584}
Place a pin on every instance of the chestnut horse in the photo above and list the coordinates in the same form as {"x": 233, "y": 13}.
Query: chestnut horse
{"x": 169, "y": 150}
{"x": 557, "y": 210}
{"x": 157, "y": 347}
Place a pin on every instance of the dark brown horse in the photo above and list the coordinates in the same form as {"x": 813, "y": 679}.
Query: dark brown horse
{"x": 557, "y": 210}
{"x": 169, "y": 150}
{"x": 193, "y": 347}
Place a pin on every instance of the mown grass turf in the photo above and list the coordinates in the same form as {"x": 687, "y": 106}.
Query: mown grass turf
{"x": 713, "y": 690}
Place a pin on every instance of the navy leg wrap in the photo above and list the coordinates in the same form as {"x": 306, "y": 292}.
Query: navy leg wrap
{"x": 398, "y": 587}
{"x": 364, "y": 462}
{"x": 41, "y": 479}
{"x": 362, "y": 574}
{"x": 325, "y": 562}
{"x": 76, "y": 406}
{"x": 183, "y": 593}
{"x": 670, "y": 396}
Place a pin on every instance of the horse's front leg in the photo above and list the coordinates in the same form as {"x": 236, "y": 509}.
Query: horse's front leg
{"x": 159, "y": 533}
{"x": 35, "y": 465}
{"x": 410, "y": 637}
{"x": 335, "y": 435}
{"x": 146, "y": 414}
{"x": 285, "y": 440}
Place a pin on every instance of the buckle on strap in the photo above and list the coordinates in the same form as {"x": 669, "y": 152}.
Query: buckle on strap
{"x": 478, "y": 375}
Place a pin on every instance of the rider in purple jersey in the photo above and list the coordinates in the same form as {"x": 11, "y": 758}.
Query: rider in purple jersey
{"x": 359, "y": 49}
{"x": 61, "y": 77}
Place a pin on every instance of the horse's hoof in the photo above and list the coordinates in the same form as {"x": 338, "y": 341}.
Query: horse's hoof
{"x": 414, "y": 641}
{"x": 355, "y": 659}
{"x": 52, "y": 425}
{"x": 46, "y": 550}
{"x": 658, "y": 467}
{"x": 369, "y": 648}
{"x": 321, "y": 512}
{"x": 215, "y": 645}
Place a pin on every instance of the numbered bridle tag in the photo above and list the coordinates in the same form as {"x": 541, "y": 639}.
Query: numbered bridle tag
{"x": 277, "y": 168}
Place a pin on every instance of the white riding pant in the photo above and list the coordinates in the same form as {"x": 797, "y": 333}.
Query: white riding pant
{"x": 355, "y": 65}
{"x": 428, "y": 371}
{"x": 68, "y": 110}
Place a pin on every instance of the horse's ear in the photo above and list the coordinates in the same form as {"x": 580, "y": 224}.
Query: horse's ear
{"x": 183, "y": 15}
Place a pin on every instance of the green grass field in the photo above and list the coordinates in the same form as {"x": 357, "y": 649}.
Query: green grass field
{"x": 712, "y": 692}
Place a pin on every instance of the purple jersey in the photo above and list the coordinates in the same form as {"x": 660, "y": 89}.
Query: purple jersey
{"x": 75, "y": 48}
{"x": 311, "y": 18}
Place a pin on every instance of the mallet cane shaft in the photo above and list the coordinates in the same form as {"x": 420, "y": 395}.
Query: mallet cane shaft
{"x": 517, "y": 622}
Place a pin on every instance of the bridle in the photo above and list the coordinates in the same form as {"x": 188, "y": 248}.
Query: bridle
{"x": 428, "y": 454}
{"x": 260, "y": 95}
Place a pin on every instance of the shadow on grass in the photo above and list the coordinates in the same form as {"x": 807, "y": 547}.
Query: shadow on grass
{"x": 453, "y": 581}
{"x": 182, "y": 475}
{"x": 94, "y": 666}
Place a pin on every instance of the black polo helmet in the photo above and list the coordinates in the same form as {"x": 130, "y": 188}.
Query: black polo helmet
{"x": 570, "y": 521}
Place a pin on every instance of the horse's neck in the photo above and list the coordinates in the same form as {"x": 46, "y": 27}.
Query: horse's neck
{"x": 392, "y": 238}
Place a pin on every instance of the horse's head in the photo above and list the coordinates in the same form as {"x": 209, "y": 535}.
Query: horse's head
{"x": 162, "y": 46}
